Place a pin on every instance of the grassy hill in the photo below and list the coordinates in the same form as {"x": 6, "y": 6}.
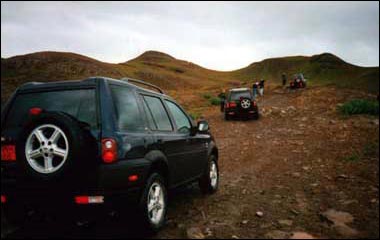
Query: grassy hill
{"x": 173, "y": 74}
{"x": 319, "y": 69}
{"x": 170, "y": 73}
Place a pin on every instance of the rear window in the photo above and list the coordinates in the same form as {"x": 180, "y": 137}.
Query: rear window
{"x": 236, "y": 96}
{"x": 80, "y": 104}
{"x": 127, "y": 110}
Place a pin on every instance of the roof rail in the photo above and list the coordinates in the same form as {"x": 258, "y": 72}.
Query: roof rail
{"x": 131, "y": 80}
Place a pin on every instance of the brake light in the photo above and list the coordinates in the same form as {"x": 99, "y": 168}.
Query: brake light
{"x": 109, "y": 150}
{"x": 133, "y": 178}
{"x": 3, "y": 199}
{"x": 85, "y": 200}
{"x": 231, "y": 104}
{"x": 35, "y": 111}
{"x": 254, "y": 103}
{"x": 8, "y": 153}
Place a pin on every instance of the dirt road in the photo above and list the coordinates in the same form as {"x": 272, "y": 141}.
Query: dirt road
{"x": 301, "y": 169}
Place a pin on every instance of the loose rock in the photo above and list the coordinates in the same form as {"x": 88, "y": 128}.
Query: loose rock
{"x": 195, "y": 233}
{"x": 301, "y": 235}
{"x": 285, "y": 223}
{"x": 245, "y": 222}
{"x": 260, "y": 214}
{"x": 277, "y": 235}
{"x": 340, "y": 221}
{"x": 296, "y": 175}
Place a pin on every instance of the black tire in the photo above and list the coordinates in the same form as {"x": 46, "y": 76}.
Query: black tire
{"x": 81, "y": 149}
{"x": 205, "y": 183}
{"x": 144, "y": 214}
{"x": 227, "y": 117}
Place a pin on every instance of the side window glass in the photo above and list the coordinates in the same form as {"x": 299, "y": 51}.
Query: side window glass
{"x": 128, "y": 114}
{"x": 148, "y": 113}
{"x": 159, "y": 113}
{"x": 87, "y": 109}
{"x": 182, "y": 122}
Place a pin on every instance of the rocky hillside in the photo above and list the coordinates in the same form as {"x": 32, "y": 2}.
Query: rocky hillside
{"x": 319, "y": 69}
{"x": 171, "y": 73}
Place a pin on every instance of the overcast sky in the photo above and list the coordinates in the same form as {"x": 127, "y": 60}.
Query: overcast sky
{"x": 216, "y": 35}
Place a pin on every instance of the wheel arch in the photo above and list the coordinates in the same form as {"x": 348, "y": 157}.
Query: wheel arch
{"x": 213, "y": 150}
{"x": 160, "y": 164}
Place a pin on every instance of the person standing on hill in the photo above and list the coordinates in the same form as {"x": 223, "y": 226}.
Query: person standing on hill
{"x": 261, "y": 87}
{"x": 284, "y": 80}
{"x": 222, "y": 97}
{"x": 303, "y": 79}
{"x": 254, "y": 88}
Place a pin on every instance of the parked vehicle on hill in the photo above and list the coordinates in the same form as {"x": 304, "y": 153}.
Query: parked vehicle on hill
{"x": 98, "y": 145}
{"x": 240, "y": 103}
{"x": 298, "y": 82}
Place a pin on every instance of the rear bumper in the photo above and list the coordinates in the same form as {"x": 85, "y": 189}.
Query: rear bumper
{"x": 239, "y": 113}
{"x": 112, "y": 183}
{"x": 54, "y": 208}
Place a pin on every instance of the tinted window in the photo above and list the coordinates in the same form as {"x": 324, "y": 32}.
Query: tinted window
{"x": 152, "y": 124}
{"x": 80, "y": 104}
{"x": 182, "y": 122}
{"x": 127, "y": 110}
{"x": 236, "y": 96}
{"x": 159, "y": 113}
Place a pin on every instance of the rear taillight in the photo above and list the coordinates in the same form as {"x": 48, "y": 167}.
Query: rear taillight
{"x": 35, "y": 111}
{"x": 3, "y": 199}
{"x": 109, "y": 150}
{"x": 231, "y": 105}
{"x": 254, "y": 103}
{"x": 8, "y": 153}
{"x": 133, "y": 178}
{"x": 84, "y": 200}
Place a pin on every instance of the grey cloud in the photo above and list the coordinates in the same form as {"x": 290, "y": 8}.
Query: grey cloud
{"x": 217, "y": 35}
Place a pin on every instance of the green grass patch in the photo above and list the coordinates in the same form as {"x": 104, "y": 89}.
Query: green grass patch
{"x": 195, "y": 115}
{"x": 207, "y": 96}
{"x": 215, "y": 101}
{"x": 359, "y": 106}
{"x": 371, "y": 149}
{"x": 354, "y": 157}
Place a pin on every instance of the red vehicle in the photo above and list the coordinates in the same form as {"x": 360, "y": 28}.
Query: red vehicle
{"x": 298, "y": 82}
{"x": 295, "y": 84}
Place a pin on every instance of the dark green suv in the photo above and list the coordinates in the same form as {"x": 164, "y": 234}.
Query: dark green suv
{"x": 100, "y": 144}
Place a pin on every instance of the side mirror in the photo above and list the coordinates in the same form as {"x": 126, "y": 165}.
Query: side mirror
{"x": 203, "y": 127}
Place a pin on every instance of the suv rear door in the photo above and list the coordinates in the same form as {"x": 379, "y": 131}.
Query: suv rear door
{"x": 167, "y": 140}
{"x": 130, "y": 125}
